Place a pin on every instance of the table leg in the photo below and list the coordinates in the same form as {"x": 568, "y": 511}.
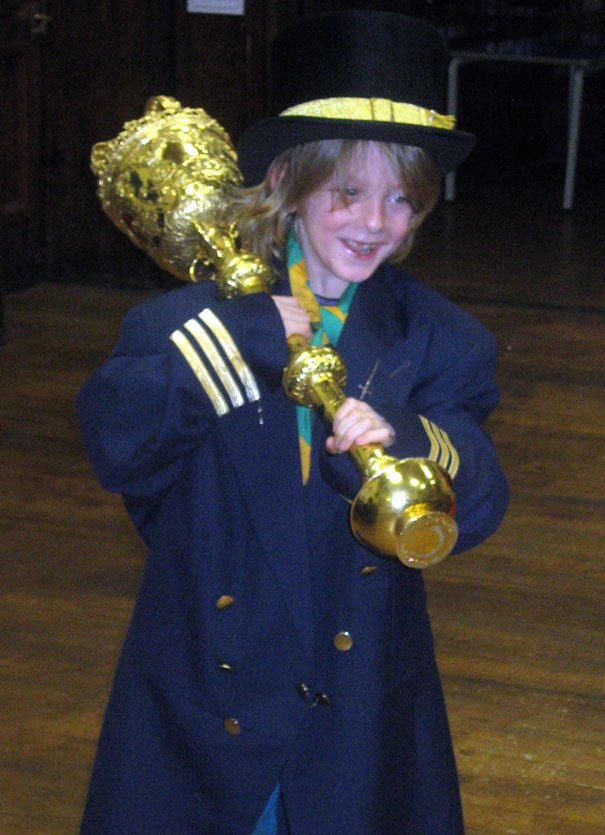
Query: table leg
{"x": 576, "y": 88}
{"x": 452, "y": 109}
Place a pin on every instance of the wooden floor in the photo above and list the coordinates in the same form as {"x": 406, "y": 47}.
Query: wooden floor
{"x": 519, "y": 622}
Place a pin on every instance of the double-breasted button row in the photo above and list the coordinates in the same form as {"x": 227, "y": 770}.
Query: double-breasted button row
{"x": 311, "y": 698}
{"x": 223, "y": 602}
{"x": 343, "y": 641}
{"x": 232, "y": 726}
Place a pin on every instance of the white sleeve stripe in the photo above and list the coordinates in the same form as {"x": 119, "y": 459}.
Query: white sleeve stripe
{"x": 208, "y": 347}
{"x": 231, "y": 351}
{"x": 201, "y": 372}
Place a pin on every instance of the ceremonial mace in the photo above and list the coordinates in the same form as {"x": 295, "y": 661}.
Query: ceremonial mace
{"x": 167, "y": 181}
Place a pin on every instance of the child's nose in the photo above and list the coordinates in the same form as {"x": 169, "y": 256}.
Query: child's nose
{"x": 374, "y": 214}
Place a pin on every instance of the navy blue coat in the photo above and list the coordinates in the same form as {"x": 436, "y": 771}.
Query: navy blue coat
{"x": 266, "y": 644}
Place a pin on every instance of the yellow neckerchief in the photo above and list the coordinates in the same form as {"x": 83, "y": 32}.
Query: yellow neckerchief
{"x": 327, "y": 322}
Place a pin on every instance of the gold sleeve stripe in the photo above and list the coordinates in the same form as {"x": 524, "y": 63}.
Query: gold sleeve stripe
{"x": 442, "y": 450}
{"x": 444, "y": 457}
{"x": 200, "y": 371}
{"x": 231, "y": 351}
{"x": 208, "y": 347}
{"x": 428, "y": 428}
{"x": 454, "y": 460}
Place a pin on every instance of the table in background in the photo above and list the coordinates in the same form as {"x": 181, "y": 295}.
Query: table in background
{"x": 577, "y": 66}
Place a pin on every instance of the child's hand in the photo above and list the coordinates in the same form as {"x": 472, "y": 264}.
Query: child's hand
{"x": 293, "y": 316}
{"x": 356, "y": 422}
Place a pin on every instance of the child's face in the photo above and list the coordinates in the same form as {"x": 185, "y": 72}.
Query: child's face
{"x": 344, "y": 241}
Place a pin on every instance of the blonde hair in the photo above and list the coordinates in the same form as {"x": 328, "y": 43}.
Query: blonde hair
{"x": 266, "y": 213}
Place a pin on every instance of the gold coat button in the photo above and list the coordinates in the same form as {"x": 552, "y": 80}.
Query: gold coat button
{"x": 343, "y": 641}
{"x": 232, "y": 726}
{"x": 224, "y": 601}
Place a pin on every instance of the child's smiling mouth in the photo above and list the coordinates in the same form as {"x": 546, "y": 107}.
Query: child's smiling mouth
{"x": 360, "y": 248}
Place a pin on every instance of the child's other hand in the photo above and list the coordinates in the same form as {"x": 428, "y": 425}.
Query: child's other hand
{"x": 293, "y": 316}
{"x": 356, "y": 422}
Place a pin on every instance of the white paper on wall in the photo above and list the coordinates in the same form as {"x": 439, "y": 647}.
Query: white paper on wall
{"x": 235, "y": 7}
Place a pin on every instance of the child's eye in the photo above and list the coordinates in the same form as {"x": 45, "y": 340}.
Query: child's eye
{"x": 344, "y": 195}
{"x": 400, "y": 198}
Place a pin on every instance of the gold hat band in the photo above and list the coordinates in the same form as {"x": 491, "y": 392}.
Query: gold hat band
{"x": 372, "y": 110}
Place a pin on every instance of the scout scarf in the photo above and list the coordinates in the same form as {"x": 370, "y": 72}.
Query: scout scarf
{"x": 327, "y": 321}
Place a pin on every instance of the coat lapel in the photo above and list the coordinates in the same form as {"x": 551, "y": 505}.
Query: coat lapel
{"x": 372, "y": 328}
{"x": 263, "y": 445}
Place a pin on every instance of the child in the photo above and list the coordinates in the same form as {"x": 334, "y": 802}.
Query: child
{"x": 277, "y": 676}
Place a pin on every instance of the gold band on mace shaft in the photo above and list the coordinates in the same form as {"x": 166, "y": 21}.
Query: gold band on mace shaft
{"x": 166, "y": 182}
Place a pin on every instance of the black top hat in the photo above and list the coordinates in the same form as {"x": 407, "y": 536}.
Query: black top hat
{"x": 356, "y": 75}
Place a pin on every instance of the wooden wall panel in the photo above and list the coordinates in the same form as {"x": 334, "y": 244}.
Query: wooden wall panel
{"x": 221, "y": 61}
{"x": 417, "y": 8}
{"x": 213, "y": 67}
{"x": 20, "y": 164}
{"x": 103, "y": 62}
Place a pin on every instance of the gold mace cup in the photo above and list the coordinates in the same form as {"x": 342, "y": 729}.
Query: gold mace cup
{"x": 405, "y": 508}
{"x": 167, "y": 181}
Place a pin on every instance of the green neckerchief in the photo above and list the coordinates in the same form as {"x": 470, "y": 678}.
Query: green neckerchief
{"x": 327, "y": 322}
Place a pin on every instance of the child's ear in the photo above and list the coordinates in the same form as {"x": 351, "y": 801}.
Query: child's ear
{"x": 276, "y": 173}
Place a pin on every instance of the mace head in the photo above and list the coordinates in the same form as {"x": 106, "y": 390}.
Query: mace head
{"x": 165, "y": 176}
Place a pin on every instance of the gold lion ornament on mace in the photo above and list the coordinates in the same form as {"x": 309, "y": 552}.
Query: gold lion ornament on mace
{"x": 167, "y": 181}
